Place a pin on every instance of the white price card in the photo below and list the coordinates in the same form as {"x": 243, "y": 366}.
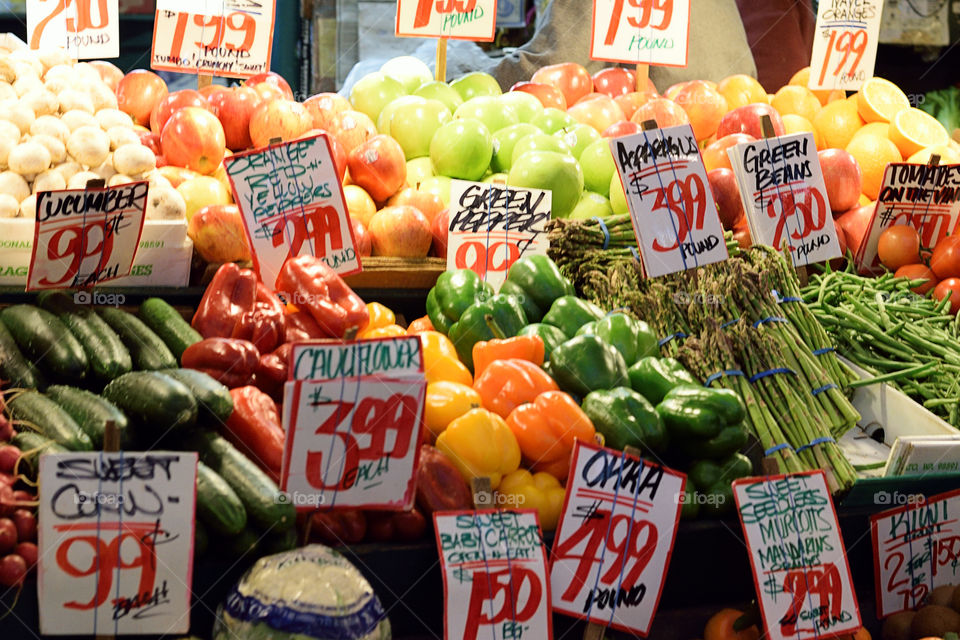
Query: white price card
{"x": 671, "y": 205}
{"x": 452, "y": 19}
{"x": 230, "y": 38}
{"x": 84, "y": 29}
{"x": 85, "y": 237}
{"x": 292, "y": 203}
{"x": 495, "y": 584}
{"x": 641, "y": 31}
{"x": 845, "y": 44}
{"x": 116, "y": 542}
{"x": 784, "y": 198}
{"x": 616, "y": 534}
{"x": 797, "y": 555}
{"x": 494, "y": 225}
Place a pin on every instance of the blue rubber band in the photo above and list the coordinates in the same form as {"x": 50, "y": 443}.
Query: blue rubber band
{"x": 719, "y": 374}
{"x": 779, "y": 447}
{"x": 729, "y": 322}
{"x": 825, "y": 387}
{"x": 815, "y": 442}
{"x": 606, "y": 232}
{"x": 678, "y": 334}
{"x": 820, "y": 352}
{"x": 636, "y": 256}
{"x": 770, "y": 319}
{"x": 771, "y": 372}
{"x": 776, "y": 296}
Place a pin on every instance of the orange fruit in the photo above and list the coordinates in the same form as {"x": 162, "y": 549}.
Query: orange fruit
{"x": 741, "y": 90}
{"x": 720, "y": 627}
{"x": 912, "y": 130}
{"x": 798, "y": 124}
{"x": 880, "y": 100}
{"x": 881, "y": 129}
{"x": 837, "y": 122}
{"x": 873, "y": 153}
{"x": 802, "y": 78}
{"x": 864, "y": 201}
{"x": 948, "y": 155}
{"x": 792, "y": 99}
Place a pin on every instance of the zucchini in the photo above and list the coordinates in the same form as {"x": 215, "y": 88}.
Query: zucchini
{"x": 218, "y": 506}
{"x": 243, "y": 543}
{"x": 47, "y": 418}
{"x": 154, "y": 402}
{"x": 105, "y": 351}
{"x": 212, "y": 398}
{"x": 166, "y": 322}
{"x": 32, "y": 445}
{"x": 14, "y": 368}
{"x": 91, "y": 412}
{"x": 148, "y": 351}
{"x": 45, "y": 340}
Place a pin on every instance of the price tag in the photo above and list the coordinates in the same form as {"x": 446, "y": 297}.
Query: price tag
{"x": 85, "y": 237}
{"x": 116, "y": 542}
{"x": 292, "y": 203}
{"x": 921, "y": 196}
{"x": 845, "y": 44}
{"x": 85, "y": 29}
{"x": 616, "y": 534}
{"x": 199, "y": 7}
{"x": 452, "y": 19}
{"x": 916, "y": 548}
{"x": 354, "y": 428}
{"x": 641, "y": 31}
{"x": 784, "y": 197}
{"x": 671, "y": 205}
{"x": 494, "y": 575}
{"x": 231, "y": 38}
{"x": 797, "y": 555}
{"x": 494, "y": 225}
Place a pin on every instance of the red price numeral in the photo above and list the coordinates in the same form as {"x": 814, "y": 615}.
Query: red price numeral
{"x": 76, "y": 244}
{"x": 686, "y": 201}
{"x": 824, "y": 583}
{"x": 480, "y": 259}
{"x": 850, "y": 42}
{"x": 510, "y": 582}
{"x": 316, "y": 224}
{"x": 641, "y": 21}
{"x": 911, "y": 595}
{"x": 78, "y": 24}
{"x": 422, "y": 17}
{"x": 223, "y": 26}
{"x": 805, "y": 205}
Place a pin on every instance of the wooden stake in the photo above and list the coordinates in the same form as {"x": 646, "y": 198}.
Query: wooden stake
{"x": 643, "y": 73}
{"x": 204, "y": 80}
{"x": 441, "y": 60}
{"x": 111, "y": 437}
{"x": 647, "y": 125}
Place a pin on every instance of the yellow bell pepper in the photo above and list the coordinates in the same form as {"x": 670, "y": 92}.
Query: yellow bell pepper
{"x": 445, "y": 402}
{"x": 541, "y": 491}
{"x": 380, "y": 318}
{"x": 480, "y": 444}
{"x": 440, "y": 360}
{"x": 389, "y": 331}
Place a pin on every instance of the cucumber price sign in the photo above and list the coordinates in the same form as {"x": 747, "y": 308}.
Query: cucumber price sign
{"x": 454, "y": 19}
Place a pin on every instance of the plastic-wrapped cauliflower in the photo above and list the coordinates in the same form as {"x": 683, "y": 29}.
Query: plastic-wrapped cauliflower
{"x": 311, "y": 593}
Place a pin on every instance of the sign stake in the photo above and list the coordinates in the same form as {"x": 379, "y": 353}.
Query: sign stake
{"x": 643, "y": 74}
{"x": 204, "y": 80}
{"x": 441, "y": 66}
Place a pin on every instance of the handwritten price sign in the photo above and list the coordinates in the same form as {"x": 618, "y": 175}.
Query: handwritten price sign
{"x": 453, "y": 19}
{"x": 292, "y": 203}
{"x": 616, "y": 534}
{"x": 85, "y": 237}
{"x": 85, "y": 29}
{"x": 671, "y": 205}
{"x": 116, "y": 542}
{"x": 493, "y": 225}
{"x": 845, "y": 44}
{"x": 494, "y": 575}
{"x": 797, "y": 555}
{"x": 641, "y": 31}
{"x": 232, "y": 39}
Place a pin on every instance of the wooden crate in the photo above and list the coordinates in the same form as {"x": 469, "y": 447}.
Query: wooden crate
{"x": 397, "y": 273}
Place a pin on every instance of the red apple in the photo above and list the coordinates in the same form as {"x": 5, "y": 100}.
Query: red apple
{"x": 599, "y": 113}
{"x": 401, "y": 232}
{"x": 620, "y": 129}
{"x": 746, "y": 119}
{"x": 359, "y": 203}
{"x": 353, "y": 129}
{"x": 548, "y": 95}
{"x": 855, "y": 223}
{"x": 138, "y": 93}
{"x": 218, "y": 235}
{"x": 838, "y": 263}
{"x": 324, "y": 108}
{"x": 361, "y": 238}
{"x": 272, "y": 78}
{"x": 378, "y": 165}
{"x": 571, "y": 78}
{"x": 440, "y": 229}
{"x": 269, "y": 91}
{"x": 715, "y": 154}
{"x": 174, "y": 102}
{"x": 176, "y": 175}
{"x": 428, "y": 203}
{"x": 193, "y": 138}
{"x": 151, "y": 140}
{"x": 615, "y": 81}
{"x": 284, "y": 119}
{"x": 211, "y": 90}
{"x": 339, "y": 156}
{"x": 723, "y": 183}
{"x": 235, "y": 111}
{"x": 592, "y": 96}
{"x": 632, "y": 101}
{"x": 666, "y": 113}
{"x": 109, "y": 73}
{"x": 841, "y": 177}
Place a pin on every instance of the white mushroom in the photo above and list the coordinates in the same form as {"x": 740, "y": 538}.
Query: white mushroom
{"x": 7, "y": 92}
{"x": 165, "y": 203}
{"x": 13, "y": 184}
{"x": 106, "y": 170}
{"x": 50, "y": 126}
{"x": 8, "y": 72}
{"x": 118, "y": 179}
{"x": 9, "y": 207}
{"x": 134, "y": 159}
{"x": 58, "y": 152}
{"x": 9, "y": 138}
{"x": 89, "y": 145}
{"x": 28, "y": 158}
{"x": 17, "y": 113}
{"x": 42, "y": 102}
{"x": 26, "y": 61}
{"x": 50, "y": 180}
{"x": 71, "y": 99}
{"x": 80, "y": 180}
{"x": 109, "y": 118}
{"x": 121, "y": 135}
{"x": 157, "y": 180}
{"x": 68, "y": 169}
{"x": 53, "y": 58}
{"x": 101, "y": 95}
{"x": 76, "y": 118}
{"x": 26, "y": 84}
{"x": 28, "y": 208}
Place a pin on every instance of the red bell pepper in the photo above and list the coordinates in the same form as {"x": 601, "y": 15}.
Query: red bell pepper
{"x": 397, "y": 526}
{"x": 231, "y": 292}
{"x": 254, "y": 427}
{"x": 233, "y": 362}
{"x": 272, "y": 371}
{"x": 263, "y": 324}
{"x": 335, "y": 528}
{"x": 319, "y": 290}
{"x": 440, "y": 487}
{"x": 300, "y": 327}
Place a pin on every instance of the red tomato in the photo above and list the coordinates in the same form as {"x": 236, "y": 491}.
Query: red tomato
{"x": 918, "y": 272}
{"x": 899, "y": 245}
{"x": 13, "y": 569}
{"x": 949, "y": 286}
{"x": 946, "y": 257}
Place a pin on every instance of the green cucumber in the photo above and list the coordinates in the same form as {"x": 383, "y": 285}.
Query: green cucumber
{"x": 14, "y": 368}
{"x": 285, "y": 541}
{"x": 218, "y": 506}
{"x": 147, "y": 349}
{"x": 212, "y": 397}
{"x": 154, "y": 402}
{"x": 201, "y": 540}
{"x": 45, "y": 416}
{"x": 91, "y": 412}
{"x": 243, "y": 543}
{"x": 105, "y": 351}
{"x": 32, "y": 445}
{"x": 45, "y": 340}
{"x": 166, "y": 322}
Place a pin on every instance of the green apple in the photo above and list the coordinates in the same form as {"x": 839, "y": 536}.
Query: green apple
{"x": 373, "y": 92}
{"x": 552, "y": 120}
{"x": 418, "y": 170}
{"x": 618, "y": 199}
{"x": 496, "y": 178}
{"x": 409, "y": 71}
{"x": 439, "y": 186}
{"x": 591, "y": 205}
{"x": 386, "y": 114}
{"x": 578, "y": 137}
{"x": 476, "y": 84}
{"x": 489, "y": 111}
{"x": 436, "y": 90}
{"x": 462, "y": 149}
{"x": 505, "y": 140}
{"x": 526, "y": 105}
{"x": 598, "y": 167}
{"x": 552, "y": 170}
{"x": 413, "y": 126}
{"x": 538, "y": 142}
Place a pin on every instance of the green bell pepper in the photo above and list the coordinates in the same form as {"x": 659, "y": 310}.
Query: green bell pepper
{"x": 537, "y": 282}
{"x": 454, "y": 292}
{"x": 690, "y": 507}
{"x": 552, "y": 337}
{"x": 587, "y": 363}
{"x": 473, "y": 326}
{"x": 625, "y": 419}
{"x": 653, "y": 377}
{"x": 633, "y": 338}
{"x": 704, "y": 423}
{"x": 713, "y": 478}
{"x": 569, "y": 313}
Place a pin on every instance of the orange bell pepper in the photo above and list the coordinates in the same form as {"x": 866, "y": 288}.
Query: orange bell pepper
{"x": 546, "y": 430}
{"x": 506, "y": 384}
{"x": 420, "y": 325}
{"x": 440, "y": 360}
{"x": 520, "y": 347}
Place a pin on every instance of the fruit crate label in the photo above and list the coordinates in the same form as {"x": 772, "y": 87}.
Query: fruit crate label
{"x": 845, "y": 44}
{"x": 641, "y": 31}
{"x": 616, "y": 534}
{"x": 292, "y": 203}
{"x": 334, "y": 359}
{"x": 797, "y": 556}
{"x": 784, "y": 198}
{"x": 916, "y": 548}
{"x": 116, "y": 542}
{"x": 494, "y": 567}
{"x": 494, "y": 225}
{"x": 85, "y": 237}
{"x": 452, "y": 19}
{"x": 671, "y": 205}
{"x": 84, "y": 30}
{"x": 230, "y": 38}
{"x": 925, "y": 197}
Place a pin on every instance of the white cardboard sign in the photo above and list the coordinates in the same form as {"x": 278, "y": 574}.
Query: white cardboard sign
{"x": 845, "y": 44}
{"x": 641, "y": 31}
{"x": 83, "y": 29}
{"x": 453, "y": 19}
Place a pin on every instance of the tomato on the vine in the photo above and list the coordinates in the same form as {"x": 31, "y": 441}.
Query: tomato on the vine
{"x": 949, "y": 286}
{"x": 899, "y": 245}
{"x": 946, "y": 257}
{"x": 918, "y": 272}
